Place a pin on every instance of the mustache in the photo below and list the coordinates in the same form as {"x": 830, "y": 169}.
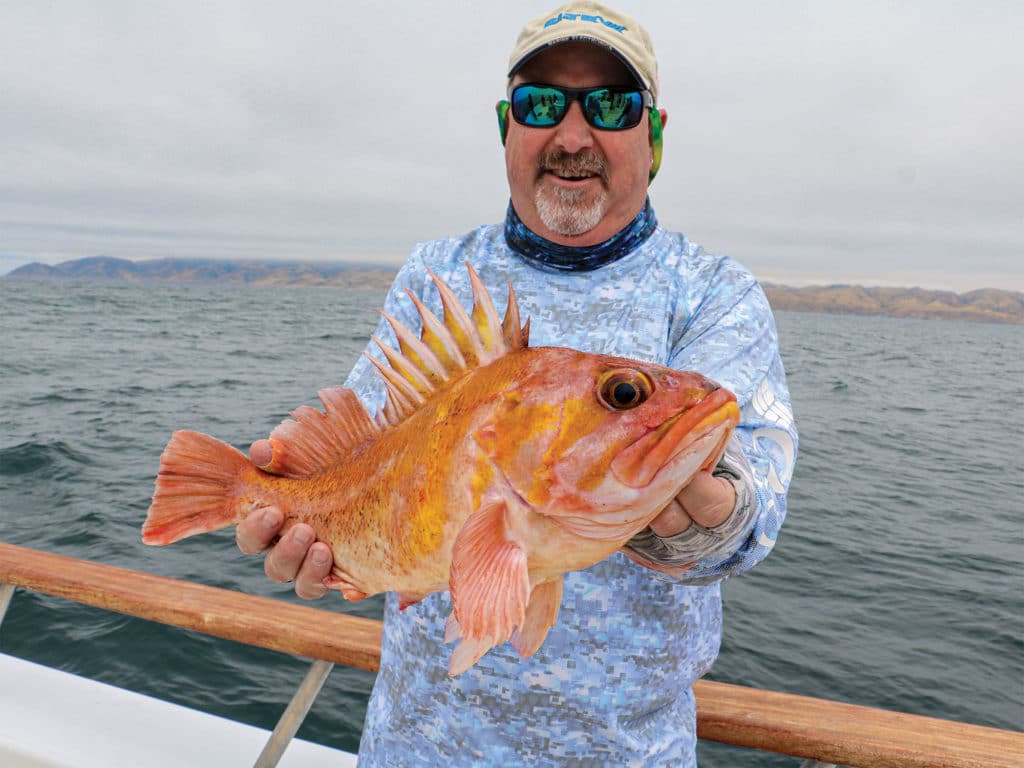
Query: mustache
{"x": 577, "y": 164}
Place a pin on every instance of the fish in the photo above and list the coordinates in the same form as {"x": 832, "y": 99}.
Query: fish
{"x": 492, "y": 469}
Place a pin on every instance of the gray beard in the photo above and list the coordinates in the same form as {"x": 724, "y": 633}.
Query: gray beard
{"x": 564, "y": 210}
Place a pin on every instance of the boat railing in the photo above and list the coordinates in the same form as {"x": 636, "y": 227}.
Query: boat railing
{"x": 823, "y": 733}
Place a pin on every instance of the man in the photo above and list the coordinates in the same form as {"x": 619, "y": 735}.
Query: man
{"x": 593, "y": 270}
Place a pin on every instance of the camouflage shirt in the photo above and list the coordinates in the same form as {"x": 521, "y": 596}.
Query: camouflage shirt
{"x": 611, "y": 685}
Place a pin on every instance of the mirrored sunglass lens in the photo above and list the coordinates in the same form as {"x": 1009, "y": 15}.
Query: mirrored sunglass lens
{"x": 614, "y": 109}
{"x": 532, "y": 105}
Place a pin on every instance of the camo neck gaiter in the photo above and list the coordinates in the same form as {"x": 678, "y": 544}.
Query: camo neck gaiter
{"x": 544, "y": 254}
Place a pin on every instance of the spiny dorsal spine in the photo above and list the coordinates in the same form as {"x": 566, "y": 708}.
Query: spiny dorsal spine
{"x": 445, "y": 349}
{"x": 313, "y": 440}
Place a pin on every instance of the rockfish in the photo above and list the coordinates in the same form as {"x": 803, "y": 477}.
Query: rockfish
{"x": 493, "y": 469}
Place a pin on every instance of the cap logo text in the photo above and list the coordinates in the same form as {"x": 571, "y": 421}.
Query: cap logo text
{"x": 583, "y": 17}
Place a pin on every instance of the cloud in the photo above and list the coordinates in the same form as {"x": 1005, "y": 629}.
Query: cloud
{"x": 849, "y": 140}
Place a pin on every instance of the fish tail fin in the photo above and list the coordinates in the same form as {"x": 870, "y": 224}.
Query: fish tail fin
{"x": 195, "y": 488}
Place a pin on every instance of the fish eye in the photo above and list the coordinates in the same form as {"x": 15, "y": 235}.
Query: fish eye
{"x": 622, "y": 390}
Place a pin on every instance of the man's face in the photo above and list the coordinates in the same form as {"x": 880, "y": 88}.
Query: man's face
{"x": 572, "y": 183}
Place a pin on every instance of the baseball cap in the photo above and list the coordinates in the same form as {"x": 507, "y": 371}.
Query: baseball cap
{"x": 595, "y": 23}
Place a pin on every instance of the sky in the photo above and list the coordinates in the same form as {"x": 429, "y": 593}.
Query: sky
{"x": 853, "y": 141}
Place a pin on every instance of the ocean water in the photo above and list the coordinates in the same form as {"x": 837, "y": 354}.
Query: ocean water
{"x": 898, "y": 581}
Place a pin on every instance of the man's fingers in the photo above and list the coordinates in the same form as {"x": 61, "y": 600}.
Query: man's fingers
{"x": 258, "y": 530}
{"x": 297, "y": 556}
{"x": 708, "y": 500}
{"x": 283, "y": 562}
{"x": 671, "y": 521}
{"x": 261, "y": 453}
{"x": 309, "y": 582}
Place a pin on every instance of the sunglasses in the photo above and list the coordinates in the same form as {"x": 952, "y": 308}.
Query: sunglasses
{"x": 609, "y": 108}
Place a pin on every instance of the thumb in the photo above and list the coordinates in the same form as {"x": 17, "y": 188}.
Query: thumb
{"x": 270, "y": 456}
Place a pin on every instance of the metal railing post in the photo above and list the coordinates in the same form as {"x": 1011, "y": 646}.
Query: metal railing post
{"x": 294, "y": 714}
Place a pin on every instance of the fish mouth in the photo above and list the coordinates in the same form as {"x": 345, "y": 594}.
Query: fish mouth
{"x": 684, "y": 444}
{"x": 637, "y": 465}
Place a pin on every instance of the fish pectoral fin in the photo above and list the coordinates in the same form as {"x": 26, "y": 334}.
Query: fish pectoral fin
{"x": 541, "y": 615}
{"x": 489, "y": 583}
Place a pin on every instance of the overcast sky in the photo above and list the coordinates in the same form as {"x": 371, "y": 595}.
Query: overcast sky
{"x": 835, "y": 140}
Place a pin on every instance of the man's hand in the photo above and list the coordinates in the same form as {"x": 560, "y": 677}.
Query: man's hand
{"x": 707, "y": 500}
{"x": 297, "y": 556}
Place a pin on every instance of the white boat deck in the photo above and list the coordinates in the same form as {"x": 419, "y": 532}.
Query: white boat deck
{"x": 53, "y": 719}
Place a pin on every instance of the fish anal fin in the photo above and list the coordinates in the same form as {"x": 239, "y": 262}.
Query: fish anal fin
{"x": 341, "y": 581}
{"x": 452, "y": 630}
{"x": 541, "y": 615}
{"x": 489, "y": 583}
{"x": 467, "y": 653}
{"x": 405, "y": 600}
{"x": 313, "y": 440}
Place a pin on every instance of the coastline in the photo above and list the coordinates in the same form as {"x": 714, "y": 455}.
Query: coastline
{"x": 984, "y": 305}
{"x": 988, "y": 305}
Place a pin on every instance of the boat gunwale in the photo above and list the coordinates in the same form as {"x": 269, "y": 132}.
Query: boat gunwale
{"x": 790, "y": 724}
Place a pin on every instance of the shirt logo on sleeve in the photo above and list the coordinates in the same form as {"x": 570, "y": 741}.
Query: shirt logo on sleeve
{"x": 771, "y": 409}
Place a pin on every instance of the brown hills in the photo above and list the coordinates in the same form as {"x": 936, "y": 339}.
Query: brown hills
{"x": 985, "y": 305}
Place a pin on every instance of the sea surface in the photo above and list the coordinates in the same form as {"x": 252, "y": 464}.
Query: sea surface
{"x": 898, "y": 581}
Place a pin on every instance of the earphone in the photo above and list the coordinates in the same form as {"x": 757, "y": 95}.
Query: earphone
{"x": 502, "y": 108}
{"x": 656, "y": 126}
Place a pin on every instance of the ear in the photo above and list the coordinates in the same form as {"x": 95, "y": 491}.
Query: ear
{"x": 502, "y": 109}
{"x": 657, "y": 120}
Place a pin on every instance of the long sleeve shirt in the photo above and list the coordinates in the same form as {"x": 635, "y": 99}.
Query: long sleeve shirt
{"x": 612, "y": 683}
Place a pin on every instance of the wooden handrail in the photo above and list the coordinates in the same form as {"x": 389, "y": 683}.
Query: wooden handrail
{"x": 848, "y": 734}
{"x": 777, "y": 722}
{"x": 273, "y": 624}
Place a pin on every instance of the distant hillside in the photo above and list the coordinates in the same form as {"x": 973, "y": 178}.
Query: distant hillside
{"x": 262, "y": 273}
{"x": 985, "y": 305}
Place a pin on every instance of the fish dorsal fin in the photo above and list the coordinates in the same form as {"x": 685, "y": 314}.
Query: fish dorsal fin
{"x": 445, "y": 349}
{"x": 313, "y": 440}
